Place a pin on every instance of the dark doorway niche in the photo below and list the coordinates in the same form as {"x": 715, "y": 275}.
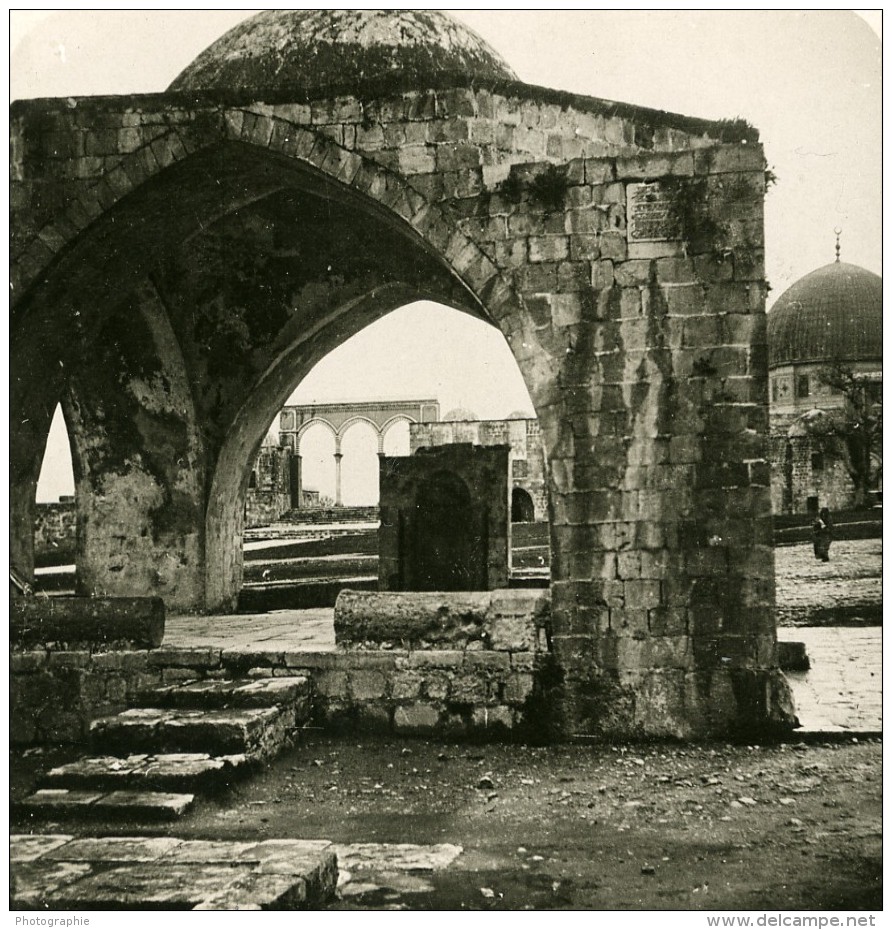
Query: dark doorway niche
{"x": 522, "y": 509}
{"x": 449, "y": 554}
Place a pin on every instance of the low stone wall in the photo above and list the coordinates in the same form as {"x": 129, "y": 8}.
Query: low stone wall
{"x": 475, "y": 694}
{"x": 504, "y": 620}
{"x": 54, "y": 695}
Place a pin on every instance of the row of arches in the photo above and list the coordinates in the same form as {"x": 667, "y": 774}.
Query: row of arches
{"x": 338, "y": 434}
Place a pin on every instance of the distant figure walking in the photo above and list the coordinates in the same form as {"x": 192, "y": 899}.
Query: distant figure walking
{"x": 822, "y": 533}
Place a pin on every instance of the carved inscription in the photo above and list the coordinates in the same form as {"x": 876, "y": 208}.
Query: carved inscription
{"x": 649, "y": 215}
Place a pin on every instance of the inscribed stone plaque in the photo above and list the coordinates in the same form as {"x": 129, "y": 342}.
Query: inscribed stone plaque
{"x": 649, "y": 216}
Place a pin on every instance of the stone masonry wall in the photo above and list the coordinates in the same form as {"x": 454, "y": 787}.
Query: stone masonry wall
{"x": 265, "y": 506}
{"x": 445, "y": 693}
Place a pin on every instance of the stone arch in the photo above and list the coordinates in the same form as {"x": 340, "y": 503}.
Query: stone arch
{"x": 385, "y": 429}
{"x": 315, "y": 421}
{"x": 353, "y": 421}
{"x": 381, "y": 192}
{"x": 399, "y": 418}
{"x": 337, "y": 164}
{"x": 224, "y": 514}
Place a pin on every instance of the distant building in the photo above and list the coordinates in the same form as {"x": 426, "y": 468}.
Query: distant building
{"x": 529, "y": 493}
{"x": 275, "y": 485}
{"x": 829, "y": 320}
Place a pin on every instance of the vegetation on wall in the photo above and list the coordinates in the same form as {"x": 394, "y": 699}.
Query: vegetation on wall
{"x": 547, "y": 188}
{"x": 855, "y": 431}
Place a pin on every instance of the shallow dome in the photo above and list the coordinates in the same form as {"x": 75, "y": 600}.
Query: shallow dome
{"x": 833, "y": 314}
{"x": 461, "y": 415}
{"x": 281, "y": 50}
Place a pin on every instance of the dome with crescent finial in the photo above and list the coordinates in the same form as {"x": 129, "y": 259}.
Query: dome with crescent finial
{"x": 834, "y": 314}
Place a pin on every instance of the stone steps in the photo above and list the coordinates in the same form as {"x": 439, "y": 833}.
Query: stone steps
{"x": 60, "y": 872}
{"x": 239, "y": 693}
{"x": 191, "y": 738}
{"x": 180, "y": 772}
{"x": 257, "y": 732}
{"x": 62, "y": 804}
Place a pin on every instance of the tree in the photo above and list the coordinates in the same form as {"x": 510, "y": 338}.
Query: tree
{"x": 855, "y": 428}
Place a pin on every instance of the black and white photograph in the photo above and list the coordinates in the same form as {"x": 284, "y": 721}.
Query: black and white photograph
{"x": 446, "y": 464}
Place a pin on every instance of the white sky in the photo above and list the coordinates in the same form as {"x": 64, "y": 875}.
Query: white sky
{"x": 810, "y": 81}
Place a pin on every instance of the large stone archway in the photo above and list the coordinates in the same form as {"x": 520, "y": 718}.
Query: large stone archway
{"x": 618, "y": 249}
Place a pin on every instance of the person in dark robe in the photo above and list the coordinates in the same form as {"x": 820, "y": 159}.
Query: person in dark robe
{"x": 822, "y": 533}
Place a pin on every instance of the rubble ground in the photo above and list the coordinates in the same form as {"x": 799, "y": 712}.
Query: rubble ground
{"x": 790, "y": 826}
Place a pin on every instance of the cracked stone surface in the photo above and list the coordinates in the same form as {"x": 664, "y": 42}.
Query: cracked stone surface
{"x": 58, "y": 871}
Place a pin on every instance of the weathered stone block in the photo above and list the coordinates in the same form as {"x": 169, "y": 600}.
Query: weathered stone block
{"x": 416, "y": 718}
{"x": 548, "y": 248}
{"x": 366, "y": 686}
{"x": 331, "y": 683}
{"x": 469, "y": 689}
{"x": 405, "y": 685}
{"x": 138, "y": 622}
{"x": 613, "y": 246}
{"x": 566, "y": 309}
{"x": 21, "y": 662}
{"x": 499, "y": 717}
{"x": 518, "y": 688}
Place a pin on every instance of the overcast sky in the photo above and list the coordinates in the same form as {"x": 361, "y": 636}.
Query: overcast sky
{"x": 810, "y": 81}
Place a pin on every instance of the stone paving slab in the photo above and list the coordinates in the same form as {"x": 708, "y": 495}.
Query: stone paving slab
{"x": 842, "y": 691}
{"x": 24, "y": 848}
{"x": 57, "y": 803}
{"x": 309, "y": 630}
{"x": 111, "y": 849}
{"x": 397, "y": 867}
{"x": 59, "y": 872}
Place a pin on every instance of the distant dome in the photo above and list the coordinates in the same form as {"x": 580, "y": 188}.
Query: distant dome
{"x": 460, "y": 414}
{"x": 300, "y": 49}
{"x": 520, "y": 415}
{"x": 832, "y": 314}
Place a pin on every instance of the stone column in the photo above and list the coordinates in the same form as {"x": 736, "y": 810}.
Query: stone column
{"x": 295, "y": 480}
{"x": 337, "y": 457}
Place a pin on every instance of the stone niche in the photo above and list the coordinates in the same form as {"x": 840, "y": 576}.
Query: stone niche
{"x": 445, "y": 520}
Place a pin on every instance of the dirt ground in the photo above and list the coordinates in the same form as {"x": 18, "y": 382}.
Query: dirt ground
{"x": 661, "y": 826}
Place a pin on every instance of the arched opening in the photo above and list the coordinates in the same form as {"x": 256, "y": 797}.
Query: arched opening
{"x": 317, "y": 461}
{"x": 396, "y": 439}
{"x": 55, "y": 524}
{"x": 522, "y": 509}
{"x": 359, "y": 465}
{"x": 446, "y": 357}
{"x": 260, "y": 266}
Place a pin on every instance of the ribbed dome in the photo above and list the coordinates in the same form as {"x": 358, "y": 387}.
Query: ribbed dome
{"x": 832, "y": 314}
{"x": 281, "y": 50}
